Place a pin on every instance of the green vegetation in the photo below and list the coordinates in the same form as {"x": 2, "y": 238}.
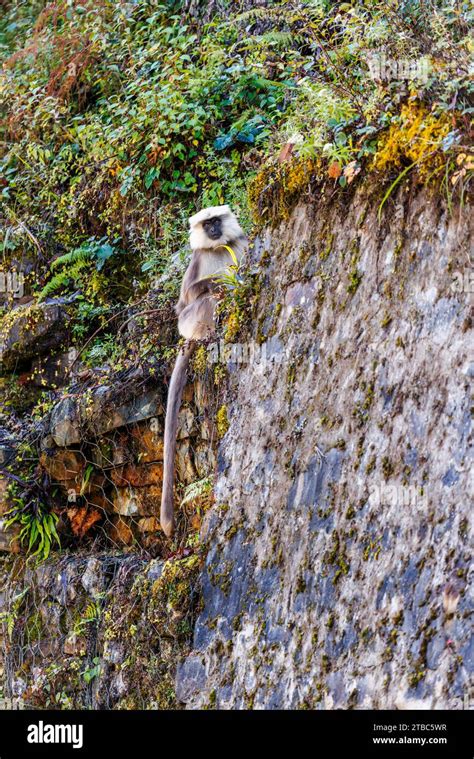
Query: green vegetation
{"x": 38, "y": 527}
{"x": 123, "y": 118}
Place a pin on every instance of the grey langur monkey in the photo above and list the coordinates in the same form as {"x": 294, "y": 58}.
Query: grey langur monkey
{"x": 211, "y": 230}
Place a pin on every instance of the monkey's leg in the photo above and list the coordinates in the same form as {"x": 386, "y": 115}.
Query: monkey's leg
{"x": 196, "y": 321}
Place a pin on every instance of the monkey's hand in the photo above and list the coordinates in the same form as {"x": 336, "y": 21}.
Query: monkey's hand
{"x": 202, "y": 287}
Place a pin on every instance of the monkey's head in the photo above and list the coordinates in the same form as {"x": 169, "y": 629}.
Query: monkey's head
{"x": 213, "y": 227}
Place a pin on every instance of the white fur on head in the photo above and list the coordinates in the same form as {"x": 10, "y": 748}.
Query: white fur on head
{"x": 230, "y": 227}
{"x": 208, "y": 213}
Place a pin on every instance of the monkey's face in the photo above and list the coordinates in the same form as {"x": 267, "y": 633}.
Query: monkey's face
{"x": 213, "y": 227}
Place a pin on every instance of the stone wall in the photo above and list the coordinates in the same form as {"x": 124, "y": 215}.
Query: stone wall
{"x": 338, "y": 563}
{"x": 101, "y": 448}
{"x": 98, "y": 631}
{"x": 100, "y": 623}
{"x": 104, "y": 449}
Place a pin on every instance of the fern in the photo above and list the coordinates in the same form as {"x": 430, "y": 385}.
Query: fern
{"x": 58, "y": 282}
{"x": 90, "y": 616}
{"x": 259, "y": 14}
{"x": 196, "y": 489}
{"x": 63, "y": 279}
{"x": 312, "y": 11}
{"x": 92, "y": 612}
{"x": 277, "y": 39}
{"x": 78, "y": 254}
{"x": 74, "y": 263}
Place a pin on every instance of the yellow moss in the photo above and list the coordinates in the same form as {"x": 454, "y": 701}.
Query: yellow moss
{"x": 172, "y": 597}
{"x": 298, "y": 174}
{"x": 200, "y": 360}
{"x": 222, "y": 421}
{"x": 416, "y": 137}
{"x": 173, "y": 587}
{"x": 232, "y": 327}
{"x": 220, "y": 373}
{"x": 276, "y": 189}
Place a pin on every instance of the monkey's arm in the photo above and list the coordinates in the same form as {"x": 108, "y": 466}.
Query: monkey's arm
{"x": 196, "y": 291}
{"x": 201, "y": 287}
{"x": 190, "y": 276}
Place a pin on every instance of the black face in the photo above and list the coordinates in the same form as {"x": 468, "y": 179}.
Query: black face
{"x": 213, "y": 227}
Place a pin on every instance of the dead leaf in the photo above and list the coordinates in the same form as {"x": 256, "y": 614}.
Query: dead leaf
{"x": 334, "y": 170}
{"x": 82, "y": 518}
{"x": 196, "y": 522}
{"x": 351, "y": 171}
{"x": 457, "y": 175}
{"x": 285, "y": 152}
{"x": 469, "y": 164}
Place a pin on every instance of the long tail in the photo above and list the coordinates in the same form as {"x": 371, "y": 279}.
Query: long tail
{"x": 175, "y": 393}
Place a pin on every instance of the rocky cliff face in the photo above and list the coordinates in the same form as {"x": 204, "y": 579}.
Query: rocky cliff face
{"x": 336, "y": 553}
{"x": 338, "y": 560}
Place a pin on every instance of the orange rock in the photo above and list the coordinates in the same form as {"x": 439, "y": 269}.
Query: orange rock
{"x": 188, "y": 393}
{"x": 100, "y": 500}
{"x": 82, "y": 518}
{"x": 119, "y": 531}
{"x": 64, "y": 464}
{"x": 149, "y": 524}
{"x": 138, "y": 476}
{"x": 148, "y": 444}
{"x": 196, "y": 522}
{"x": 75, "y": 645}
{"x": 95, "y": 486}
{"x": 141, "y": 501}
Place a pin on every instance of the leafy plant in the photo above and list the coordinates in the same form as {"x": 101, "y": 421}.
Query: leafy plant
{"x": 120, "y": 120}
{"x": 90, "y": 673}
{"x": 229, "y": 278}
{"x": 73, "y": 264}
{"x": 38, "y": 527}
{"x": 91, "y": 616}
{"x": 197, "y": 489}
{"x": 8, "y": 618}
